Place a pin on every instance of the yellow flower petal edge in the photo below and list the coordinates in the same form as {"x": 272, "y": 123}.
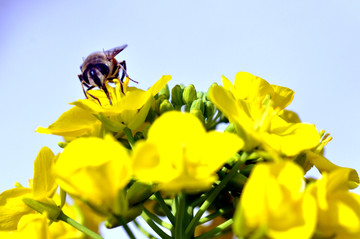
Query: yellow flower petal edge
{"x": 73, "y": 123}
{"x": 324, "y": 165}
{"x": 44, "y": 185}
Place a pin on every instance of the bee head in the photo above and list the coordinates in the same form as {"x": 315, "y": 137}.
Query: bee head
{"x": 96, "y": 74}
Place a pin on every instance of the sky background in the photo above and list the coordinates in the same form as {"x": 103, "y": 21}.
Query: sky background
{"x": 310, "y": 46}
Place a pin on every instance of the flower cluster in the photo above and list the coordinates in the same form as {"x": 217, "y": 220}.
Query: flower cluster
{"x": 161, "y": 153}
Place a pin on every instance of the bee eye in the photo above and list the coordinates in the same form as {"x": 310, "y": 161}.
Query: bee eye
{"x": 92, "y": 73}
{"x": 104, "y": 69}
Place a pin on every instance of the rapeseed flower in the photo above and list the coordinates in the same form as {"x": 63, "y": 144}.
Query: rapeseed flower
{"x": 94, "y": 170}
{"x": 180, "y": 155}
{"x": 275, "y": 203}
{"x": 256, "y": 109}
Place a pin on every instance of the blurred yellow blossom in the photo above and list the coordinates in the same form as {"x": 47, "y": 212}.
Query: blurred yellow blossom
{"x": 180, "y": 155}
{"x": 274, "y": 200}
{"x": 338, "y": 209}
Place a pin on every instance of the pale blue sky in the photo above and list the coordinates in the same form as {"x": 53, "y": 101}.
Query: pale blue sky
{"x": 310, "y": 46}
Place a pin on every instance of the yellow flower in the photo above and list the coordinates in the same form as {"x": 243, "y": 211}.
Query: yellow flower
{"x": 338, "y": 209}
{"x": 128, "y": 109}
{"x": 94, "y": 170}
{"x": 73, "y": 123}
{"x": 180, "y": 155}
{"x": 257, "y": 110}
{"x": 274, "y": 200}
{"x": 42, "y": 188}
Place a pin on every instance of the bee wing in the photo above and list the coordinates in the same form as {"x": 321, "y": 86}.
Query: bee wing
{"x": 111, "y": 53}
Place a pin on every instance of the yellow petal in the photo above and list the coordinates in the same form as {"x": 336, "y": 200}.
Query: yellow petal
{"x": 282, "y": 96}
{"x": 12, "y": 208}
{"x": 73, "y": 123}
{"x": 44, "y": 180}
{"x": 348, "y": 175}
{"x": 159, "y": 84}
{"x": 34, "y": 226}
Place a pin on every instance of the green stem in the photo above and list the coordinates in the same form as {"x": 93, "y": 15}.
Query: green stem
{"x": 158, "y": 220}
{"x": 220, "y": 212}
{"x": 129, "y": 136}
{"x": 165, "y": 208}
{"x": 146, "y": 233}
{"x": 126, "y": 227}
{"x": 78, "y": 226}
{"x": 153, "y": 226}
{"x": 191, "y": 227}
{"x": 180, "y": 215}
{"x": 217, "y": 230}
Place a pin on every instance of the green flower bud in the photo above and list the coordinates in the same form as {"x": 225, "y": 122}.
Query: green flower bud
{"x": 166, "y": 106}
{"x": 138, "y": 192}
{"x": 157, "y": 105}
{"x": 197, "y": 105}
{"x": 198, "y": 114}
{"x": 230, "y": 128}
{"x": 62, "y": 144}
{"x": 176, "y": 96}
{"x": 151, "y": 116}
{"x": 164, "y": 92}
{"x": 50, "y": 208}
{"x": 209, "y": 110}
{"x": 189, "y": 94}
{"x": 200, "y": 94}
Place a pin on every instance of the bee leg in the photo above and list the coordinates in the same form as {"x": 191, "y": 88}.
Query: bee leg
{"x": 86, "y": 93}
{"x": 122, "y": 65}
{"x": 107, "y": 93}
{"x": 95, "y": 98}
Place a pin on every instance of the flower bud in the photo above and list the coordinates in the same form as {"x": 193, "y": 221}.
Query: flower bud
{"x": 209, "y": 110}
{"x": 201, "y": 95}
{"x": 138, "y": 192}
{"x": 49, "y": 207}
{"x": 165, "y": 106}
{"x": 176, "y": 96}
{"x": 189, "y": 94}
{"x": 62, "y": 144}
{"x": 164, "y": 92}
{"x": 151, "y": 116}
{"x": 230, "y": 128}
{"x": 198, "y": 113}
{"x": 197, "y": 105}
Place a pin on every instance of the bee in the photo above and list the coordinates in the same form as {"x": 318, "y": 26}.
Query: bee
{"x": 100, "y": 67}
